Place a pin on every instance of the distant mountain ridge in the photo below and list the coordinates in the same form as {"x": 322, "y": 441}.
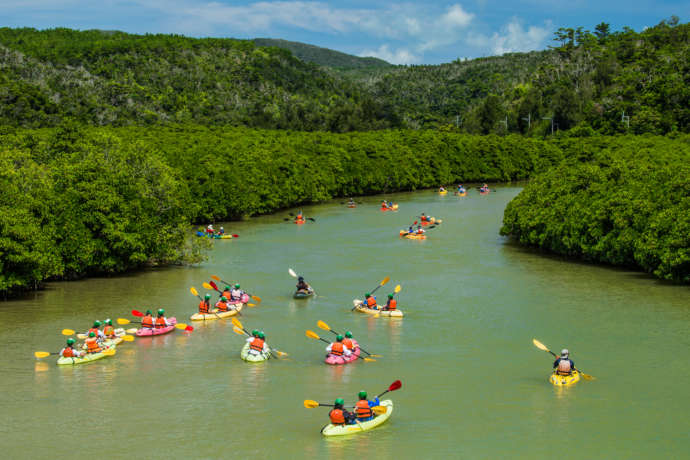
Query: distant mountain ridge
{"x": 324, "y": 56}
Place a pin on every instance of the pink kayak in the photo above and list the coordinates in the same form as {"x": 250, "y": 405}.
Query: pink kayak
{"x": 157, "y": 331}
{"x": 335, "y": 359}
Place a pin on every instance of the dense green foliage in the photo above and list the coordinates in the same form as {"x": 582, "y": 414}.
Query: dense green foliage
{"x": 324, "y": 56}
{"x": 621, "y": 201}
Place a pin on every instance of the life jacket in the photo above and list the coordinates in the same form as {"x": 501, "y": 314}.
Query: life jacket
{"x": 109, "y": 331}
{"x": 227, "y": 294}
{"x": 564, "y": 367}
{"x": 337, "y": 417}
{"x": 362, "y": 409}
{"x": 92, "y": 346}
{"x": 257, "y": 344}
{"x": 160, "y": 322}
{"x": 424, "y": 218}
{"x": 337, "y": 348}
{"x": 420, "y": 231}
{"x": 236, "y": 294}
{"x": 68, "y": 352}
{"x": 94, "y": 330}
{"x": 348, "y": 343}
{"x": 392, "y": 304}
{"x": 371, "y": 301}
{"x": 222, "y": 306}
{"x": 203, "y": 307}
{"x": 147, "y": 322}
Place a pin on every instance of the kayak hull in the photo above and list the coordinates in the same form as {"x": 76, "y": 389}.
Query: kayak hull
{"x": 337, "y": 360}
{"x": 443, "y": 192}
{"x": 461, "y": 193}
{"x": 411, "y": 236}
{"x": 343, "y": 430}
{"x": 303, "y": 294}
{"x": 564, "y": 380}
{"x": 299, "y": 222}
{"x": 157, "y": 331}
{"x": 370, "y": 311}
{"x": 217, "y": 314}
{"x": 253, "y": 358}
{"x": 87, "y": 358}
{"x": 392, "y": 208}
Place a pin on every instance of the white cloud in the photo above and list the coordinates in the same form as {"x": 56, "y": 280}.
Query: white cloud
{"x": 514, "y": 37}
{"x": 401, "y": 56}
{"x": 456, "y": 16}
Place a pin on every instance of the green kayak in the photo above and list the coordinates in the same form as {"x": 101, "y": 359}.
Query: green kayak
{"x": 253, "y": 358}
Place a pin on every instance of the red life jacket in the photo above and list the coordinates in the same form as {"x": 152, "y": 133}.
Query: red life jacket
{"x": 109, "y": 331}
{"x": 68, "y": 352}
{"x": 203, "y": 307}
{"x": 424, "y": 218}
{"x": 337, "y": 417}
{"x": 348, "y": 343}
{"x": 362, "y": 409}
{"x": 337, "y": 348}
{"x": 257, "y": 344}
{"x": 371, "y": 301}
{"x": 160, "y": 322}
{"x": 147, "y": 322}
{"x": 392, "y": 304}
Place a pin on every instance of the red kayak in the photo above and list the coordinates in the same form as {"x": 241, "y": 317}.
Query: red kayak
{"x": 157, "y": 330}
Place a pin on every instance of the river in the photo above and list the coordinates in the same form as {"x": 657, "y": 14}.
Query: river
{"x": 474, "y": 386}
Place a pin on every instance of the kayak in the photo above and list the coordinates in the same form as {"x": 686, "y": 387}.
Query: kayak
{"x": 370, "y": 311}
{"x": 335, "y": 359}
{"x": 484, "y": 192}
{"x": 216, "y": 237}
{"x": 301, "y": 294}
{"x": 299, "y": 222}
{"x": 253, "y": 358}
{"x": 565, "y": 380}
{"x": 391, "y": 208}
{"x": 431, "y": 221}
{"x": 359, "y": 427}
{"x": 157, "y": 331}
{"x": 351, "y": 205}
{"x": 217, "y": 314}
{"x": 411, "y": 236}
{"x": 87, "y": 358}
{"x": 442, "y": 192}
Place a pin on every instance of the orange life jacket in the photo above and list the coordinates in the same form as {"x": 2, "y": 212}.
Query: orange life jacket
{"x": 424, "y": 218}
{"x": 203, "y": 307}
{"x": 94, "y": 330}
{"x": 392, "y": 304}
{"x": 222, "y": 306}
{"x": 257, "y": 344}
{"x": 147, "y": 322}
{"x": 68, "y": 352}
{"x": 348, "y": 343}
{"x": 337, "y": 348}
{"x": 362, "y": 409}
{"x": 92, "y": 346}
{"x": 337, "y": 417}
{"x": 371, "y": 301}
{"x": 227, "y": 294}
{"x": 564, "y": 367}
{"x": 160, "y": 322}
{"x": 109, "y": 331}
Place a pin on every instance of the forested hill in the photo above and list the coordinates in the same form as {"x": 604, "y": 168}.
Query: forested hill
{"x": 324, "y": 56}
{"x": 114, "y": 78}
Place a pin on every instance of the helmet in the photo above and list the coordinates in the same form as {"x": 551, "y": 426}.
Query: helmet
{"x": 339, "y": 338}
{"x": 255, "y": 333}
{"x": 227, "y": 288}
{"x": 362, "y": 394}
{"x": 70, "y": 341}
{"x": 161, "y": 312}
{"x": 92, "y": 334}
{"x": 390, "y": 296}
{"x": 262, "y": 335}
{"x": 339, "y": 402}
{"x": 109, "y": 322}
{"x": 207, "y": 296}
{"x": 96, "y": 324}
{"x": 368, "y": 294}
{"x": 148, "y": 312}
{"x": 237, "y": 285}
{"x": 301, "y": 278}
{"x": 564, "y": 353}
{"x": 348, "y": 334}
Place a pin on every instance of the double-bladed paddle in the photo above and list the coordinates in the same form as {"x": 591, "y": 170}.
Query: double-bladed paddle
{"x": 325, "y": 326}
{"x": 314, "y": 335}
{"x": 543, "y": 347}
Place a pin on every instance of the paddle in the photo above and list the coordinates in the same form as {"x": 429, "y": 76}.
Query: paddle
{"x": 314, "y": 335}
{"x": 44, "y": 354}
{"x": 325, "y": 326}
{"x": 292, "y": 273}
{"x": 254, "y": 297}
{"x": 543, "y": 347}
{"x": 238, "y": 325}
{"x": 309, "y": 404}
{"x": 392, "y": 387}
{"x": 196, "y": 293}
{"x": 384, "y": 281}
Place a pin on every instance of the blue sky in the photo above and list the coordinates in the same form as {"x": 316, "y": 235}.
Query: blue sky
{"x": 400, "y": 32}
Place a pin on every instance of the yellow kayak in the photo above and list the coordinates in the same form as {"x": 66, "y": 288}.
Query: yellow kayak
{"x": 442, "y": 192}
{"x": 215, "y": 314}
{"x": 412, "y": 236}
{"x": 564, "y": 380}
{"x": 360, "y": 427}
{"x": 370, "y": 311}
{"x": 87, "y": 358}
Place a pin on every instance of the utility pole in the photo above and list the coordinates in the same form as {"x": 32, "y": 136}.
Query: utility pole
{"x": 549, "y": 118}
{"x": 625, "y": 119}
{"x": 528, "y": 120}
{"x": 457, "y": 121}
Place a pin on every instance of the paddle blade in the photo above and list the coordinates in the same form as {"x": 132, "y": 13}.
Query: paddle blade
{"x": 281, "y": 353}
{"x": 41, "y": 354}
{"x": 137, "y": 313}
{"x": 395, "y": 385}
{"x": 236, "y": 322}
{"x": 193, "y": 291}
{"x": 82, "y": 336}
{"x": 189, "y": 328}
{"x": 312, "y": 335}
{"x": 323, "y": 326}
{"x": 123, "y": 321}
{"x": 251, "y": 305}
{"x": 256, "y": 297}
{"x": 309, "y": 404}
{"x": 67, "y": 332}
{"x": 385, "y": 280}
{"x": 587, "y": 376}
{"x": 397, "y": 289}
{"x": 180, "y": 325}
{"x": 292, "y": 273}
{"x": 539, "y": 345}
{"x": 237, "y": 330}
{"x": 379, "y": 410}
{"x": 213, "y": 285}
{"x": 109, "y": 352}
{"x": 369, "y": 360}
{"x": 128, "y": 338}
{"x": 215, "y": 277}
{"x": 132, "y": 330}
{"x": 207, "y": 286}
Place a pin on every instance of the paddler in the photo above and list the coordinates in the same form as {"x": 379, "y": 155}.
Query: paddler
{"x": 257, "y": 344}
{"x": 338, "y": 348}
{"x": 363, "y": 407}
{"x": 95, "y": 329}
{"x": 339, "y": 415}
{"x": 69, "y": 351}
{"x": 347, "y": 341}
{"x": 300, "y": 217}
{"x": 92, "y": 344}
{"x": 302, "y": 285}
{"x": 236, "y": 293}
{"x": 485, "y": 188}
{"x": 222, "y": 304}
{"x": 205, "y": 305}
{"x": 108, "y": 329}
{"x": 461, "y": 189}
{"x": 147, "y": 320}
{"x": 227, "y": 292}
{"x": 370, "y": 301}
{"x": 351, "y": 202}
{"x": 384, "y": 204}
{"x": 209, "y": 229}
{"x": 391, "y": 304}
{"x": 420, "y": 230}
{"x": 424, "y": 218}
{"x": 161, "y": 321}
{"x": 410, "y": 230}
{"x": 221, "y": 231}
{"x": 441, "y": 189}
{"x": 564, "y": 365}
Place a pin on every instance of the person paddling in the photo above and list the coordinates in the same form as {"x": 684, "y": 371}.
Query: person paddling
{"x": 147, "y": 320}
{"x": 205, "y": 305}
{"x": 161, "y": 320}
{"x": 347, "y": 341}
{"x": 302, "y": 286}
{"x": 92, "y": 344}
{"x": 209, "y": 229}
{"x": 442, "y": 189}
{"x": 363, "y": 407}
{"x": 339, "y": 415}
{"x": 95, "y": 329}
{"x": 391, "y": 304}
{"x": 108, "y": 329}
{"x": 236, "y": 293}
{"x": 69, "y": 351}
{"x": 485, "y": 188}
{"x": 351, "y": 202}
{"x": 461, "y": 189}
{"x": 227, "y": 292}
{"x": 257, "y": 343}
{"x": 420, "y": 230}
{"x": 370, "y": 301}
{"x": 564, "y": 365}
{"x": 300, "y": 217}
{"x": 424, "y": 218}
{"x": 222, "y": 304}
{"x": 338, "y": 348}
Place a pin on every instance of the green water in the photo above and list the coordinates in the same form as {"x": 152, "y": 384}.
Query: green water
{"x": 474, "y": 386}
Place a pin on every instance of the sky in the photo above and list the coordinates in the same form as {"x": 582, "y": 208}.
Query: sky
{"x": 431, "y": 32}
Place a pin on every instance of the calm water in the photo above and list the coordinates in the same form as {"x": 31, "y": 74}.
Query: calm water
{"x": 474, "y": 386}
